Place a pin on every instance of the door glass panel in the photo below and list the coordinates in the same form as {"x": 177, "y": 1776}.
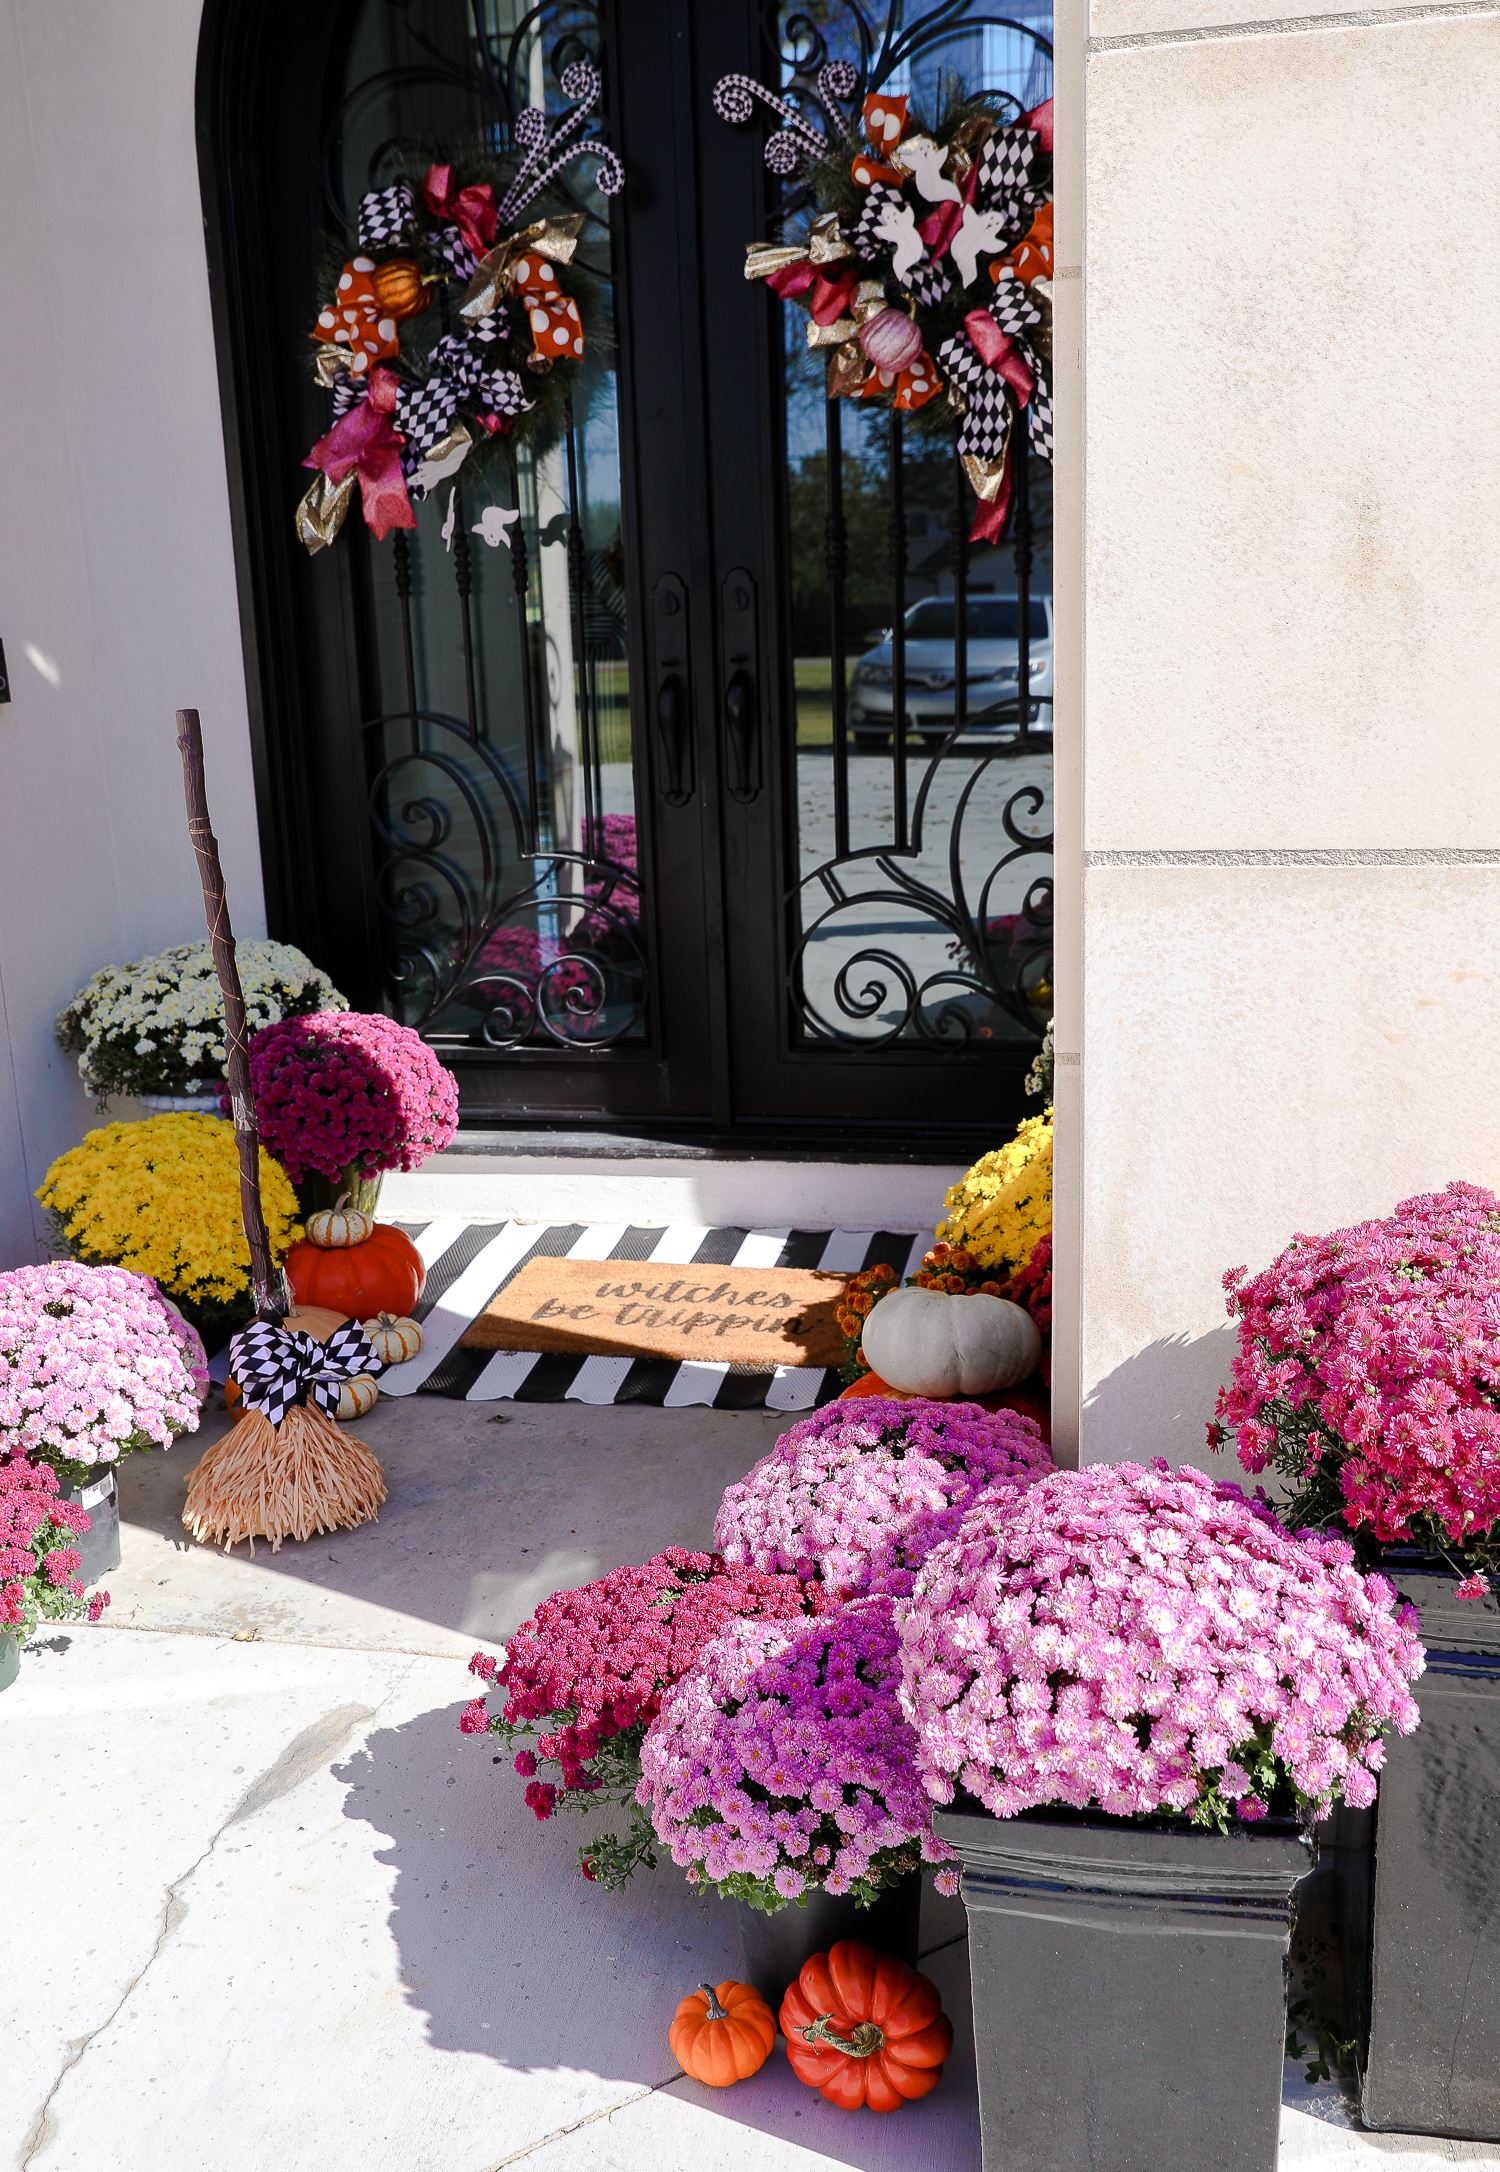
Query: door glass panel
{"x": 923, "y": 896}
{"x": 502, "y": 794}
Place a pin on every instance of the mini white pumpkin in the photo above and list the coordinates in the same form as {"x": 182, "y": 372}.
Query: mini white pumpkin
{"x": 927, "y": 1343}
{"x": 357, "y": 1396}
{"x": 334, "y": 1229}
{"x": 392, "y": 1340}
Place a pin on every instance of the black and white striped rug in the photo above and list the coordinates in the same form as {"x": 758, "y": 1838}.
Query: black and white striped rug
{"x": 467, "y": 1262}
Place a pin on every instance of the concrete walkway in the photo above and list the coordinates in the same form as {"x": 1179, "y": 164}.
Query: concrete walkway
{"x": 266, "y": 1907}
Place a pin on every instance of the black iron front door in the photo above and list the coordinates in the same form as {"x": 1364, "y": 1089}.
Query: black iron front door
{"x": 636, "y": 779}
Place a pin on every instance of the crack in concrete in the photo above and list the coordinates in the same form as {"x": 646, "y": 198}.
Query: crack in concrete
{"x": 302, "y": 1756}
{"x": 590, "y": 2119}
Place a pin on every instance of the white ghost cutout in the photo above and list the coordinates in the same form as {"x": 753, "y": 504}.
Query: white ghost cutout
{"x": 897, "y": 224}
{"x": 979, "y": 230}
{"x": 433, "y": 472}
{"x": 448, "y": 524}
{"x": 922, "y": 159}
{"x": 494, "y": 524}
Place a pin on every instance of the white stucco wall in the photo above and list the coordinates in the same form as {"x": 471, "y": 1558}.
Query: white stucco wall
{"x": 116, "y": 561}
{"x": 1286, "y": 812}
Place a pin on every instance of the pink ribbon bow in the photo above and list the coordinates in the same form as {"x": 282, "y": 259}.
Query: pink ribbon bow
{"x": 367, "y": 441}
{"x": 471, "y": 210}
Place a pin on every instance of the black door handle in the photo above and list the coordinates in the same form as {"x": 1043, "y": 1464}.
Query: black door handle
{"x": 672, "y": 725}
{"x": 739, "y": 716}
{"x": 741, "y": 709}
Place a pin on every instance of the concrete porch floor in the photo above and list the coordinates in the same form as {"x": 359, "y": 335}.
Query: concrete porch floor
{"x": 266, "y": 1907}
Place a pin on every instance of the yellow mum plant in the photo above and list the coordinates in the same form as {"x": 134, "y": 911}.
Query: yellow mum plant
{"x": 1003, "y": 1207}
{"x": 163, "y": 1197}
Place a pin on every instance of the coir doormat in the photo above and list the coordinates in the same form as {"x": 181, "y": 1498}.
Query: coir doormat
{"x": 756, "y": 1316}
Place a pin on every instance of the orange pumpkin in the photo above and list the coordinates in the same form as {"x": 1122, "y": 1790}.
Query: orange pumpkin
{"x": 384, "y": 1274}
{"x": 722, "y": 2036}
{"x": 399, "y": 287}
{"x": 863, "y": 2028}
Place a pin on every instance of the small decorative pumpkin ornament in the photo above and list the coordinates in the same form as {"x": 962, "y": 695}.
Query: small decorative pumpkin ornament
{"x": 335, "y": 1228}
{"x": 400, "y": 288}
{"x": 925, "y": 1342}
{"x": 722, "y": 2036}
{"x": 863, "y": 2028}
{"x": 891, "y": 340}
{"x": 357, "y": 1396}
{"x": 392, "y": 1340}
{"x": 383, "y": 1274}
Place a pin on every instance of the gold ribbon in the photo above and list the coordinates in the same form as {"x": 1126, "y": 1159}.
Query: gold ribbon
{"x": 556, "y": 239}
{"x": 331, "y": 362}
{"x": 321, "y": 512}
{"x": 986, "y": 477}
{"x": 830, "y": 335}
{"x": 825, "y": 244}
{"x": 764, "y": 257}
{"x": 825, "y": 240}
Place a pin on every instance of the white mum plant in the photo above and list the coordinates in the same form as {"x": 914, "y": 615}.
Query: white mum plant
{"x": 157, "y": 1027}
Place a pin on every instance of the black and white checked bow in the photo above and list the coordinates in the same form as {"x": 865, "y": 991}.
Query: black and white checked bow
{"x": 1007, "y": 174}
{"x": 459, "y": 370}
{"x": 278, "y": 1366}
{"x": 1018, "y": 313}
{"x": 986, "y": 422}
{"x": 384, "y": 216}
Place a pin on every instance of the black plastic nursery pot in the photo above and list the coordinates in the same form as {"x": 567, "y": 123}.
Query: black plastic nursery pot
{"x": 1129, "y": 1986}
{"x": 774, "y": 1947}
{"x": 100, "y": 1544}
{"x": 1431, "y": 1936}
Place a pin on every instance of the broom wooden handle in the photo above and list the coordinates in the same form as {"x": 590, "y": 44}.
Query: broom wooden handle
{"x": 267, "y": 1282}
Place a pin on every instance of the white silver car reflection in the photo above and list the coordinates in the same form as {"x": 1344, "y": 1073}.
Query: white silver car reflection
{"x": 992, "y": 692}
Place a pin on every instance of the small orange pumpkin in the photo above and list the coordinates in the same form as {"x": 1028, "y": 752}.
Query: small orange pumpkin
{"x": 384, "y": 1274}
{"x": 863, "y": 2028}
{"x": 722, "y": 2036}
{"x": 400, "y": 288}
{"x": 393, "y": 1341}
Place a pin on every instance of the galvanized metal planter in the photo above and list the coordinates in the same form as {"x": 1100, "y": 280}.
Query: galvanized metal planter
{"x": 1129, "y": 1989}
{"x": 773, "y": 1948}
{"x": 1434, "y": 1927}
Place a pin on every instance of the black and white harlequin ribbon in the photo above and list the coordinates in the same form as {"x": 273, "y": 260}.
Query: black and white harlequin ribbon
{"x": 385, "y": 216}
{"x": 278, "y": 1366}
{"x": 1019, "y": 314}
{"x": 985, "y": 424}
{"x": 460, "y": 369}
{"x": 1007, "y": 175}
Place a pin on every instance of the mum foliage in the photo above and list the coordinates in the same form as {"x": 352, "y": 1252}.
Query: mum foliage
{"x": 782, "y": 1762}
{"x": 587, "y": 1675}
{"x": 38, "y": 1560}
{"x": 350, "y": 1096}
{"x": 1002, "y": 1209}
{"x": 1143, "y": 1640}
{"x": 157, "y": 1026}
{"x": 1369, "y": 1373}
{"x": 163, "y": 1198}
{"x": 92, "y": 1365}
{"x": 858, "y": 1493}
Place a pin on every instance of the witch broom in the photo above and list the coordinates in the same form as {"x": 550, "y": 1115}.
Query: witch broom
{"x": 284, "y": 1470}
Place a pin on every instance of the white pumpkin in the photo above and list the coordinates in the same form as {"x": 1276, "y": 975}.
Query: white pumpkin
{"x": 392, "y": 1340}
{"x": 336, "y": 1228}
{"x": 927, "y": 1343}
{"x": 357, "y": 1396}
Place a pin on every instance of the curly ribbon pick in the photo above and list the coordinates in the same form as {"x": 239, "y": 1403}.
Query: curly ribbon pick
{"x": 277, "y": 1367}
{"x": 582, "y": 82}
{"x": 365, "y": 443}
{"x": 471, "y": 210}
{"x": 734, "y": 101}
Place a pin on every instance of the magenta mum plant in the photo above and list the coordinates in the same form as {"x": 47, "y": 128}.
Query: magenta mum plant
{"x": 348, "y": 1095}
{"x": 1147, "y": 1641}
{"x": 39, "y": 1561}
{"x": 782, "y": 1763}
{"x": 1369, "y": 1375}
{"x": 587, "y": 1674}
{"x": 93, "y": 1365}
{"x": 860, "y": 1492}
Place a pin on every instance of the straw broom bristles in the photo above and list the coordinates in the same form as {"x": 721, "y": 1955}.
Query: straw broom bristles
{"x": 287, "y": 1481}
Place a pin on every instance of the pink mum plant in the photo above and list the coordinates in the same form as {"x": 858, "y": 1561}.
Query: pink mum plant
{"x": 587, "y": 1674}
{"x": 1148, "y": 1641}
{"x": 93, "y": 1364}
{"x": 38, "y": 1560}
{"x": 782, "y": 1764}
{"x": 348, "y": 1094}
{"x": 860, "y": 1492}
{"x": 1369, "y": 1375}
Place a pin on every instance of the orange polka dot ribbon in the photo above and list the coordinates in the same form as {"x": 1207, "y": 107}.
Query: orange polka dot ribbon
{"x": 556, "y": 332}
{"x": 355, "y": 320}
{"x": 1031, "y": 258}
{"x": 913, "y": 387}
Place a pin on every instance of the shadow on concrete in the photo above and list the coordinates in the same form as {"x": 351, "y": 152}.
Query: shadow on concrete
{"x": 510, "y": 1954}
{"x": 1159, "y": 1402}
{"x": 483, "y": 1519}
